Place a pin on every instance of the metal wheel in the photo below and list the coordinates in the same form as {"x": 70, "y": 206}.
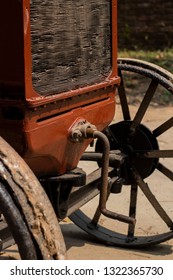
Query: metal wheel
{"x": 27, "y": 209}
{"x": 147, "y": 170}
{"x": 18, "y": 227}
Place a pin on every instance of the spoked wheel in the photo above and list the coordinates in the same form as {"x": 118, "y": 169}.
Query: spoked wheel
{"x": 147, "y": 174}
{"x": 27, "y": 210}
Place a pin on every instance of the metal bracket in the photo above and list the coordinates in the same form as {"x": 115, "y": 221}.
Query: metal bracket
{"x": 81, "y": 130}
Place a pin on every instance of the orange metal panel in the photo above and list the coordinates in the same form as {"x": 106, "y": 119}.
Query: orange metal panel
{"x": 37, "y": 126}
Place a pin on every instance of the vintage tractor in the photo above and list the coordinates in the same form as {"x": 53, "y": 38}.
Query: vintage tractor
{"x": 60, "y": 80}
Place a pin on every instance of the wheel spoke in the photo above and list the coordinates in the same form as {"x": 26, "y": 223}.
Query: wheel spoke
{"x": 132, "y": 209}
{"x": 152, "y": 199}
{"x": 144, "y": 105}
{"x": 163, "y": 127}
{"x": 155, "y": 154}
{"x": 164, "y": 170}
{"x": 123, "y": 98}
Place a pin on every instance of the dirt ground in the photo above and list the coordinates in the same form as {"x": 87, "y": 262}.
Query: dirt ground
{"x": 81, "y": 246}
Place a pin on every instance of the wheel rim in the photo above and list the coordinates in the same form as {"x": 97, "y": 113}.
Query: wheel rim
{"x": 150, "y": 157}
{"x": 34, "y": 217}
{"x": 17, "y": 225}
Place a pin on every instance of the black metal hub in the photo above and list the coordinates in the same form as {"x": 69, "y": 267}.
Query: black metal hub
{"x": 133, "y": 145}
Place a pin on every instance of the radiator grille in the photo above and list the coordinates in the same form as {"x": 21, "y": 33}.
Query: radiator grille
{"x": 71, "y": 43}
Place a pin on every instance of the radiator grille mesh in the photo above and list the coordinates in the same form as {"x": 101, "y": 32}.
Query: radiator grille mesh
{"x": 71, "y": 44}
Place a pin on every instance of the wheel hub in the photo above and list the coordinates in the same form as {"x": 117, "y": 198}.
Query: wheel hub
{"x": 134, "y": 147}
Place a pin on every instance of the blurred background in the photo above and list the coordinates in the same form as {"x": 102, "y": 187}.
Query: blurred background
{"x": 145, "y": 31}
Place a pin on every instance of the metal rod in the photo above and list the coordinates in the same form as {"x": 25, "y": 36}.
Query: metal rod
{"x": 132, "y": 210}
{"x": 97, "y": 214}
{"x": 155, "y": 153}
{"x": 144, "y": 105}
{"x": 163, "y": 127}
{"x": 123, "y": 98}
{"x": 164, "y": 170}
{"x": 104, "y": 180}
{"x": 115, "y": 157}
{"x": 152, "y": 199}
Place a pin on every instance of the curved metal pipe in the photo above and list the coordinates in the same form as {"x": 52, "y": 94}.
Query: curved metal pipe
{"x": 104, "y": 178}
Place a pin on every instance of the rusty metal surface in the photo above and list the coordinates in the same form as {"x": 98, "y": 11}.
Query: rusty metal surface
{"x": 36, "y": 208}
{"x": 17, "y": 225}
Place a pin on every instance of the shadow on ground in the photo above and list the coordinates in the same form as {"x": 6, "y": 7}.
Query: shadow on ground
{"x": 75, "y": 238}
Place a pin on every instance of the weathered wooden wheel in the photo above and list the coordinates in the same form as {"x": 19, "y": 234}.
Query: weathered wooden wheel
{"x": 134, "y": 134}
{"x": 27, "y": 210}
